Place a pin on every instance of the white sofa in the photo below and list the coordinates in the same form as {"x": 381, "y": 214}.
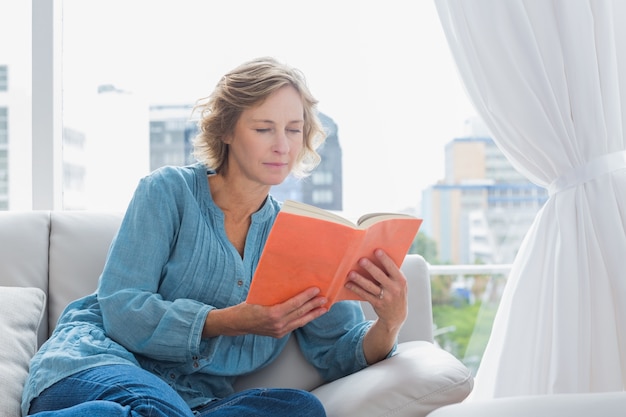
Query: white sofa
{"x": 48, "y": 259}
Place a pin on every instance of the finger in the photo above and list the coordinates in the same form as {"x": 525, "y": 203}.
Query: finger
{"x": 300, "y": 319}
{"x": 391, "y": 269}
{"x": 299, "y": 300}
{"x": 364, "y": 287}
{"x": 378, "y": 274}
{"x": 304, "y": 305}
{"x": 280, "y": 319}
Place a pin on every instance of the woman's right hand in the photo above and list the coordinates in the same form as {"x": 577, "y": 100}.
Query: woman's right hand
{"x": 275, "y": 321}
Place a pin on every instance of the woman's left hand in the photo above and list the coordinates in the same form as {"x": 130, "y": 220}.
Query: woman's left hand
{"x": 386, "y": 290}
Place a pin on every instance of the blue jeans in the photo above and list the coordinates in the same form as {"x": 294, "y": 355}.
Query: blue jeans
{"x": 129, "y": 391}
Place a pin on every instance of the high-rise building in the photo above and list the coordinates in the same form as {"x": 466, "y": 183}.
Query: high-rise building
{"x": 172, "y": 131}
{"x": 4, "y": 77}
{"x": 15, "y": 105}
{"x": 324, "y": 187}
{"x": 4, "y": 140}
{"x": 15, "y": 129}
{"x": 481, "y": 210}
{"x": 74, "y": 169}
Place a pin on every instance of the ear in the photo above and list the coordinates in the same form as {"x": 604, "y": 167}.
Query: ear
{"x": 227, "y": 138}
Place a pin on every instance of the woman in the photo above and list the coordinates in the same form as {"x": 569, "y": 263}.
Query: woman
{"x": 168, "y": 329}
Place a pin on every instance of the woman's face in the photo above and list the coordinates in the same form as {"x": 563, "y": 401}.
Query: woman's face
{"x": 268, "y": 138}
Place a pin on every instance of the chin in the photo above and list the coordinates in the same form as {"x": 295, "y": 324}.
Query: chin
{"x": 277, "y": 178}
{"x": 276, "y": 182}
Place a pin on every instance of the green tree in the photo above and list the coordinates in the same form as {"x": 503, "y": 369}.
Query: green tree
{"x": 426, "y": 247}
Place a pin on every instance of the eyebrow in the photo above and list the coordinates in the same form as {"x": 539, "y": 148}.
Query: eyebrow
{"x": 271, "y": 121}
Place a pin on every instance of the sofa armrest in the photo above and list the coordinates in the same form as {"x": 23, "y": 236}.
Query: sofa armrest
{"x": 608, "y": 404}
{"x": 419, "y": 378}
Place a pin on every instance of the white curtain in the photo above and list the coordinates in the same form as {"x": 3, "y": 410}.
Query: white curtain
{"x": 548, "y": 78}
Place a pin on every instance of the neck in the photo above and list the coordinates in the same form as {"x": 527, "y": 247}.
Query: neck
{"x": 235, "y": 198}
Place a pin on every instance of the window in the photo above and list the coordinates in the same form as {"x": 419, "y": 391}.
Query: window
{"x": 322, "y": 177}
{"x": 128, "y": 93}
{"x": 4, "y": 126}
{"x": 4, "y": 160}
{"x": 322, "y": 197}
{"x": 4, "y": 78}
{"x": 347, "y": 66}
{"x": 4, "y": 180}
{"x": 15, "y": 105}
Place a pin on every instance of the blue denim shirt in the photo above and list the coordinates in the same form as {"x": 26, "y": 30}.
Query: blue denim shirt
{"x": 169, "y": 266}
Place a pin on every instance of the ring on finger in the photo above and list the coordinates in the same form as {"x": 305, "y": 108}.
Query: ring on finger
{"x": 382, "y": 293}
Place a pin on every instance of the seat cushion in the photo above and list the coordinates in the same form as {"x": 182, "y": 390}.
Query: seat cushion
{"x": 21, "y": 310}
{"x": 79, "y": 243}
{"x": 24, "y": 260}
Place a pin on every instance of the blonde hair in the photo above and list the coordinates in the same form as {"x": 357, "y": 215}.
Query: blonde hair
{"x": 242, "y": 88}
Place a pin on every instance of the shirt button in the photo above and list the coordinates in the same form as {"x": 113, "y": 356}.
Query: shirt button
{"x": 240, "y": 283}
{"x": 195, "y": 364}
{"x": 172, "y": 376}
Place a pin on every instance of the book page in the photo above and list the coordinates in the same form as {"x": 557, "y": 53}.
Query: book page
{"x": 367, "y": 220}
{"x": 303, "y": 209}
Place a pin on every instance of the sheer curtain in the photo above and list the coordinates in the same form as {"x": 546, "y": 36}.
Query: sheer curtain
{"x": 549, "y": 79}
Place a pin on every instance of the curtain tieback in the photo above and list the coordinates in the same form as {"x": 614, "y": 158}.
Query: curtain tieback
{"x": 604, "y": 164}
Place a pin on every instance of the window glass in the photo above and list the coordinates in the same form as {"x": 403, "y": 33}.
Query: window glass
{"x": 15, "y": 105}
{"x": 402, "y": 135}
{"x": 4, "y": 126}
{"x": 401, "y": 132}
{"x": 381, "y": 71}
{"x": 4, "y": 78}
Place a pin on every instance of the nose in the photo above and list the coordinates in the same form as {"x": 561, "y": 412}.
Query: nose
{"x": 281, "y": 143}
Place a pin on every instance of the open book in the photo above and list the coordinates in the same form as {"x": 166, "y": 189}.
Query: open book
{"x": 311, "y": 247}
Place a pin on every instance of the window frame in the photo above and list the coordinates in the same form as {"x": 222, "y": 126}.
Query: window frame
{"x": 47, "y": 122}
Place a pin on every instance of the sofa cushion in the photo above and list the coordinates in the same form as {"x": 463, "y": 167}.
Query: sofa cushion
{"x": 79, "y": 243}
{"x": 24, "y": 238}
{"x": 21, "y": 310}
{"x": 419, "y": 378}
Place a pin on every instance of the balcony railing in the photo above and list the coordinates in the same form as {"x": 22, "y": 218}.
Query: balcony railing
{"x": 469, "y": 270}
{"x": 465, "y": 300}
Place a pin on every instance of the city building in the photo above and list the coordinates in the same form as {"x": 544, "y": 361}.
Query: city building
{"x": 481, "y": 210}
{"x": 324, "y": 187}
{"x": 74, "y": 169}
{"x": 172, "y": 130}
{"x": 15, "y": 129}
{"x": 171, "y": 133}
{"x": 4, "y": 139}
{"x": 16, "y": 120}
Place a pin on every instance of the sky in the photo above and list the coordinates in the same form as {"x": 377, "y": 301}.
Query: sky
{"x": 381, "y": 70}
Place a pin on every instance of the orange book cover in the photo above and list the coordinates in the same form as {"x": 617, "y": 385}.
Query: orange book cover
{"x": 310, "y": 247}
